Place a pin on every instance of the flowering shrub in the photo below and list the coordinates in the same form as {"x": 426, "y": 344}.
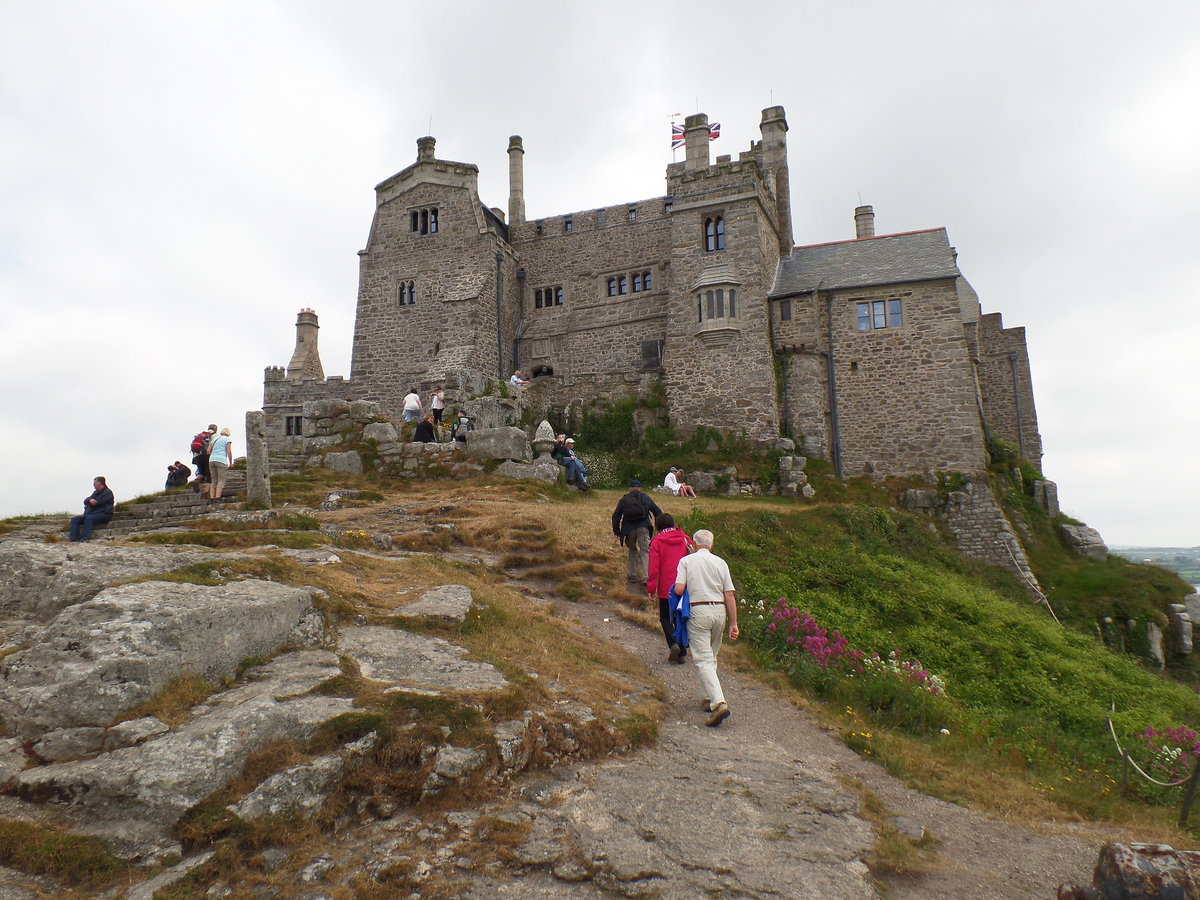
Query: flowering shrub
{"x": 1171, "y": 753}
{"x": 909, "y": 670}
{"x": 900, "y": 691}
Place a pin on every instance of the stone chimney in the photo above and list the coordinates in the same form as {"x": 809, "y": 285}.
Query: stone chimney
{"x": 306, "y": 361}
{"x": 516, "y": 180}
{"x": 695, "y": 138}
{"x": 425, "y": 149}
{"x": 774, "y": 129}
{"x": 864, "y": 222}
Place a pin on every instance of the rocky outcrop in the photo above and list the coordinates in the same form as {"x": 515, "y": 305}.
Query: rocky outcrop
{"x": 505, "y": 442}
{"x": 38, "y": 580}
{"x": 415, "y": 662}
{"x": 133, "y": 796}
{"x": 101, "y": 658}
{"x": 1085, "y": 541}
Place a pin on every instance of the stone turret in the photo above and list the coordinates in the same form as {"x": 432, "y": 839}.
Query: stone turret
{"x": 774, "y": 159}
{"x": 516, "y": 180}
{"x": 306, "y": 361}
{"x": 695, "y": 138}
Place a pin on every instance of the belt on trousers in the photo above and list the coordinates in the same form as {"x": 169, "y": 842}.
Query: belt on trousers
{"x": 709, "y": 603}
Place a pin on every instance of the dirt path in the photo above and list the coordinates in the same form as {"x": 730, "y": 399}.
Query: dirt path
{"x": 756, "y": 808}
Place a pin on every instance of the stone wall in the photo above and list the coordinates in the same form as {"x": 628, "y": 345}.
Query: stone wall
{"x": 906, "y": 396}
{"x": 979, "y": 526}
{"x": 1006, "y": 386}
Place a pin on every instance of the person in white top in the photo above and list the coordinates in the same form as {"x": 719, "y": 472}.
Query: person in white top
{"x": 710, "y": 591}
{"x": 437, "y": 402}
{"x": 412, "y": 406}
{"x": 677, "y": 487}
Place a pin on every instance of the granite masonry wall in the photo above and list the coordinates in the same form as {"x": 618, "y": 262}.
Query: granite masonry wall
{"x": 1006, "y": 386}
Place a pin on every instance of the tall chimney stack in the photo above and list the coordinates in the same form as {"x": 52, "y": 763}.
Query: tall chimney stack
{"x": 695, "y": 138}
{"x": 516, "y": 180}
{"x": 425, "y": 149}
{"x": 306, "y": 361}
{"x": 774, "y": 129}
{"x": 864, "y": 222}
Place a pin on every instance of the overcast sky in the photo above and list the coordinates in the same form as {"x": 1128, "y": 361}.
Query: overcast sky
{"x": 177, "y": 181}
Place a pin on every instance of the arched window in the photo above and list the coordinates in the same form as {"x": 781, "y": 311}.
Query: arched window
{"x": 558, "y": 296}
{"x": 537, "y": 299}
{"x": 612, "y": 287}
{"x": 412, "y": 294}
{"x": 637, "y": 281}
{"x": 406, "y": 293}
{"x": 622, "y": 285}
{"x": 646, "y": 280}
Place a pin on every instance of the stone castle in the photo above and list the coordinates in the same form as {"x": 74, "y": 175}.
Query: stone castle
{"x": 871, "y": 352}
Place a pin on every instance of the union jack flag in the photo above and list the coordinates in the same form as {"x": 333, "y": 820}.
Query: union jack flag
{"x": 714, "y": 132}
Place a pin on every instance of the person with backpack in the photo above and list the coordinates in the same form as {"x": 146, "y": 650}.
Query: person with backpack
{"x": 199, "y": 449}
{"x": 220, "y": 459}
{"x": 631, "y": 525}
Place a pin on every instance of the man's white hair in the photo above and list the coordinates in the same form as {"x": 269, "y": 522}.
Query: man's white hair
{"x": 703, "y": 538}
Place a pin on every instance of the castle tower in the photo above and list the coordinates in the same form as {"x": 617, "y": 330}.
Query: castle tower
{"x": 774, "y": 161}
{"x": 306, "y": 361}
{"x": 516, "y": 180}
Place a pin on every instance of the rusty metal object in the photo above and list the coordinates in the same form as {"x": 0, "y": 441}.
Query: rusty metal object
{"x": 1140, "y": 872}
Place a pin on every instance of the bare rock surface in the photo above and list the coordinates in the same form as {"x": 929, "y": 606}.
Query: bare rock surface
{"x": 38, "y": 580}
{"x": 416, "y": 662}
{"x": 131, "y": 797}
{"x": 102, "y": 657}
{"x": 449, "y": 601}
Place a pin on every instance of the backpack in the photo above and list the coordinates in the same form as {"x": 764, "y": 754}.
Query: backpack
{"x": 199, "y": 441}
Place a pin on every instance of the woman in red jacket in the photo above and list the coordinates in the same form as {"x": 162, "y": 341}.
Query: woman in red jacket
{"x": 669, "y": 546}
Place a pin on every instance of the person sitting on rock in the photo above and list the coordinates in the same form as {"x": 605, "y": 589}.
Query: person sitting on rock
{"x": 461, "y": 425}
{"x": 97, "y": 509}
{"x": 576, "y": 470}
{"x": 677, "y": 487}
{"x": 424, "y": 431}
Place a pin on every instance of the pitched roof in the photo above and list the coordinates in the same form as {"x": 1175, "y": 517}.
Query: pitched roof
{"x": 889, "y": 259}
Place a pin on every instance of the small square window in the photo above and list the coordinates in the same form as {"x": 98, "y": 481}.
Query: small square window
{"x": 631, "y": 214}
{"x": 568, "y": 224}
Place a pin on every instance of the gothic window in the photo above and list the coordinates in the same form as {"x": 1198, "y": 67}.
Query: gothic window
{"x": 873, "y": 314}
{"x": 716, "y": 303}
{"x": 424, "y": 221}
{"x": 612, "y": 287}
{"x": 646, "y": 280}
{"x": 714, "y": 234}
{"x": 406, "y": 294}
{"x": 622, "y": 284}
{"x": 293, "y": 425}
{"x": 637, "y": 281}
{"x": 544, "y": 298}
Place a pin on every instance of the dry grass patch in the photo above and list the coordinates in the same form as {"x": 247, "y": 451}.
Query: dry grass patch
{"x": 175, "y": 702}
{"x": 81, "y": 862}
{"x": 894, "y": 852}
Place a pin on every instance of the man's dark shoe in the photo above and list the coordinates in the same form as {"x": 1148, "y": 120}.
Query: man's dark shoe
{"x": 719, "y": 714}
{"x": 675, "y": 653}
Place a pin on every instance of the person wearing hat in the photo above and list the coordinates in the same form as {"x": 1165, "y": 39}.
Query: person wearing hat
{"x": 631, "y": 525}
{"x": 677, "y": 487}
{"x": 564, "y": 452}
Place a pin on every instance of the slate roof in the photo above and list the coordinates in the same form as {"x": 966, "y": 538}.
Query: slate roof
{"x": 889, "y": 259}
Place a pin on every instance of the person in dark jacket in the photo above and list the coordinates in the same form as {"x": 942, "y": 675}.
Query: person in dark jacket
{"x": 631, "y": 525}
{"x": 424, "y": 431}
{"x": 669, "y": 546}
{"x": 97, "y": 509}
